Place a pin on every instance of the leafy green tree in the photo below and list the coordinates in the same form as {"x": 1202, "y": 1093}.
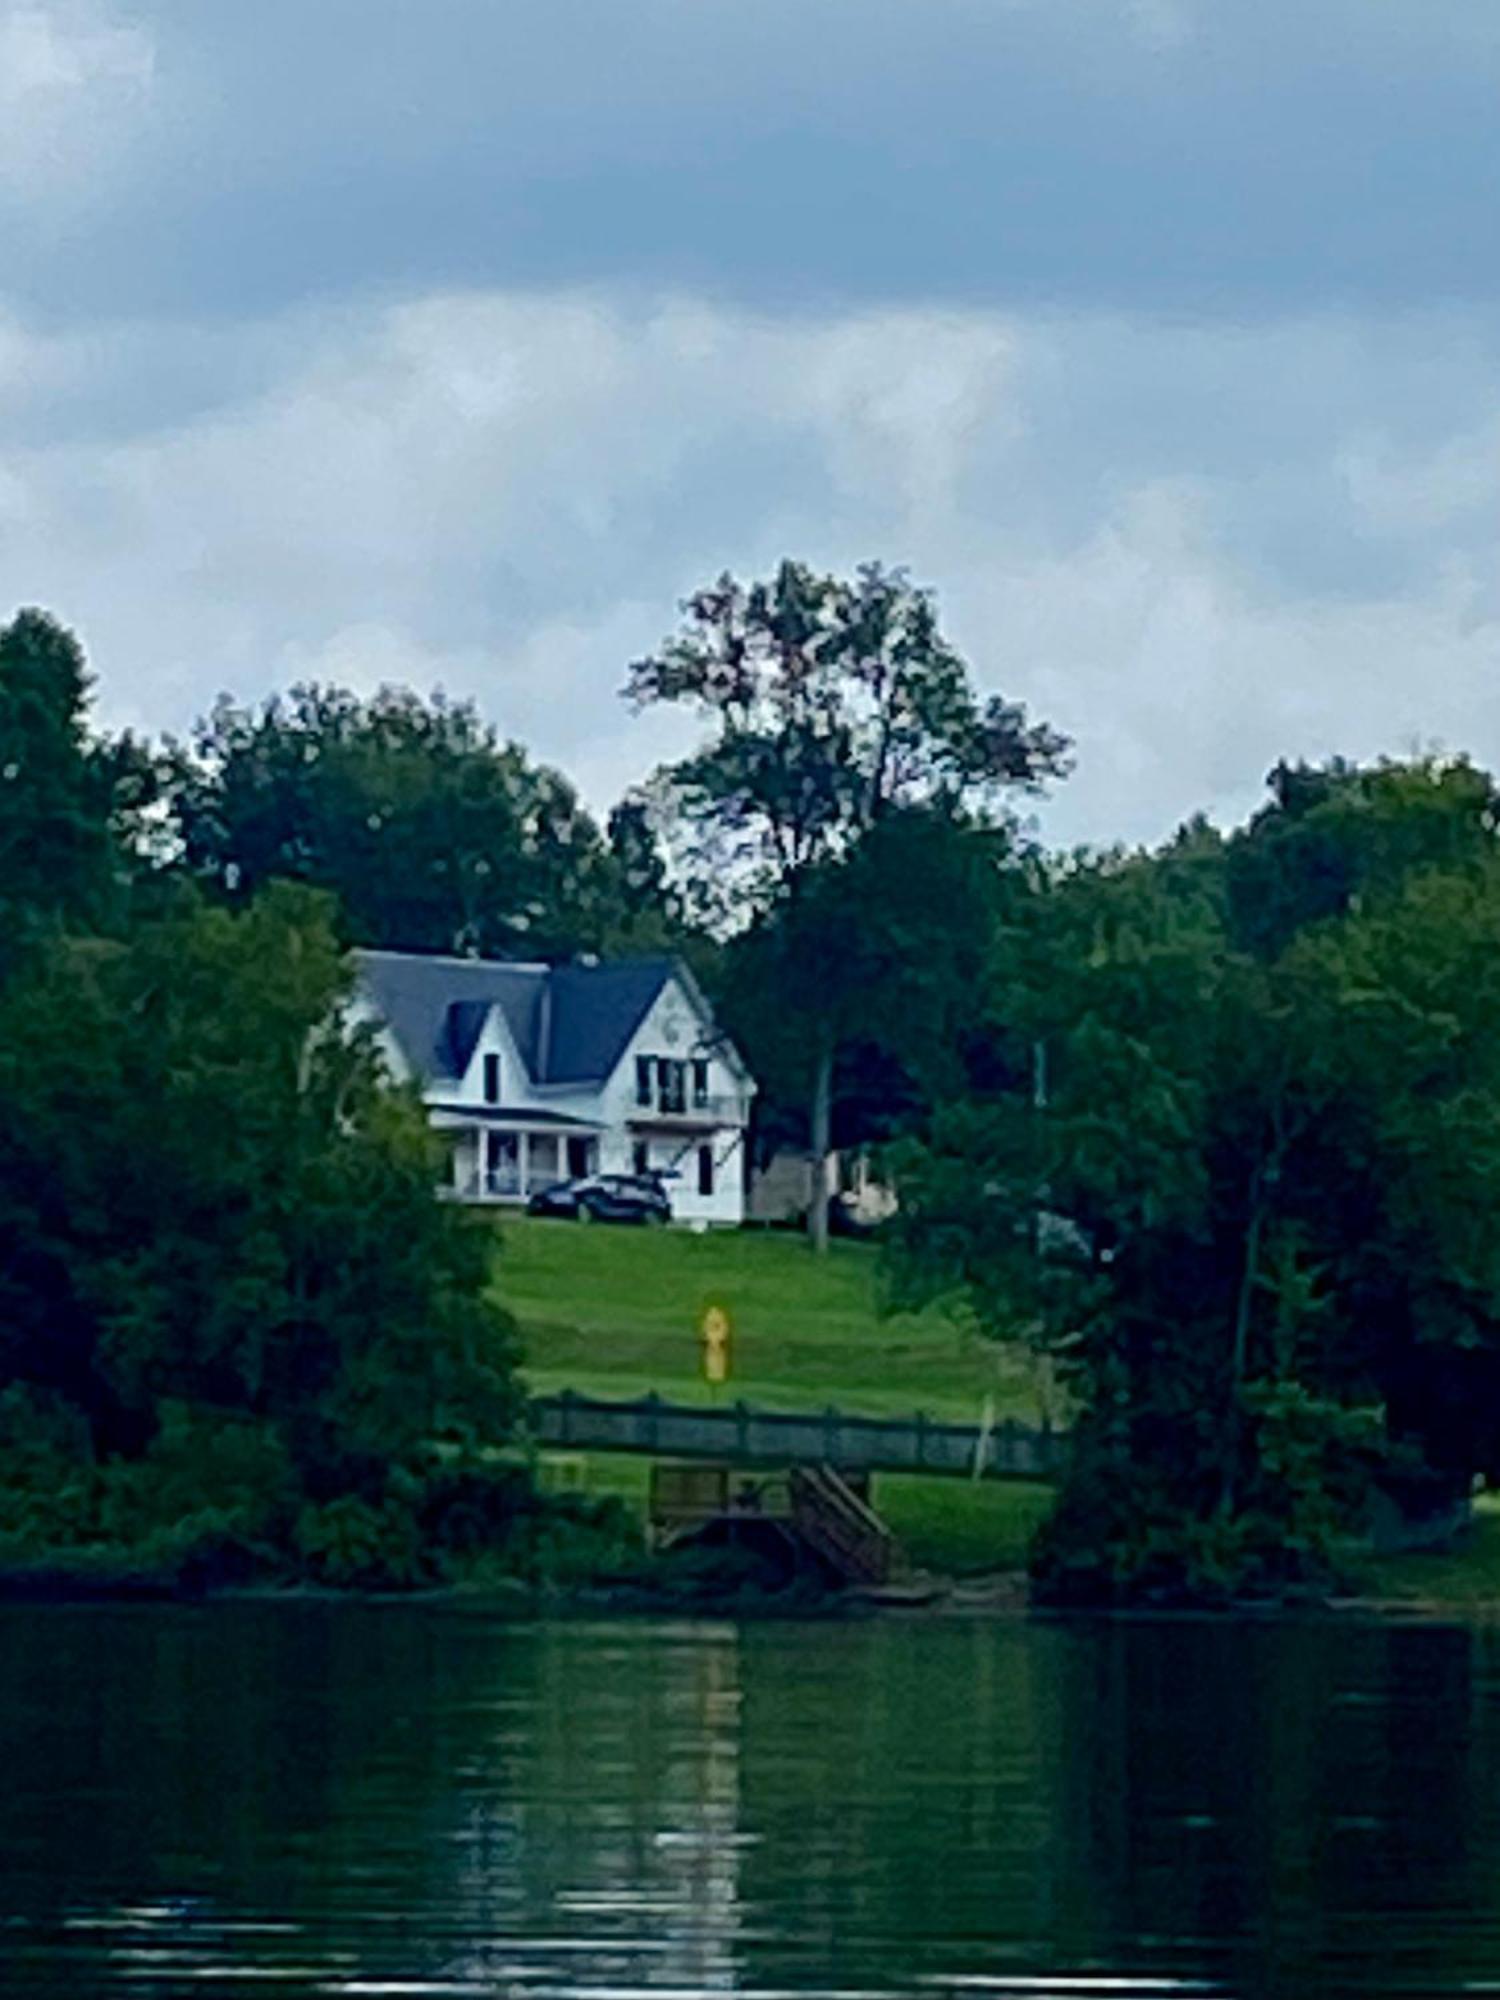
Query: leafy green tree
{"x": 830, "y": 705}
{"x": 1258, "y": 1216}
{"x": 877, "y": 957}
{"x": 62, "y": 795}
{"x": 208, "y": 1195}
{"x": 649, "y": 914}
{"x": 433, "y": 834}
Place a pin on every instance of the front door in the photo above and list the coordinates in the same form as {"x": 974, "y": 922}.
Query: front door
{"x": 580, "y": 1158}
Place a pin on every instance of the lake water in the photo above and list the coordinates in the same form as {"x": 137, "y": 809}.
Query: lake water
{"x": 338, "y": 1800}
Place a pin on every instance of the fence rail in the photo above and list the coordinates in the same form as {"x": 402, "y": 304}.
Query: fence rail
{"x": 741, "y": 1434}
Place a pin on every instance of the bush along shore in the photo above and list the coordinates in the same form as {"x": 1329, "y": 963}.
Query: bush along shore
{"x": 217, "y": 1504}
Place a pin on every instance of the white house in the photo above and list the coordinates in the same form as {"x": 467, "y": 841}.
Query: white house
{"x": 540, "y": 1073}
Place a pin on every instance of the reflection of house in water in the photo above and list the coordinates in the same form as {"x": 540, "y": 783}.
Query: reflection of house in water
{"x": 606, "y": 1849}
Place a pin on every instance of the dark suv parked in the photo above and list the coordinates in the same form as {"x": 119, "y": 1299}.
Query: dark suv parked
{"x": 605, "y": 1198}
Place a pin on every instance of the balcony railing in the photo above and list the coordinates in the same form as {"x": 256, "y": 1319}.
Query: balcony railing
{"x": 718, "y": 1108}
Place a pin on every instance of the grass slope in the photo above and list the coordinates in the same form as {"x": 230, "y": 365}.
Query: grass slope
{"x": 615, "y": 1312}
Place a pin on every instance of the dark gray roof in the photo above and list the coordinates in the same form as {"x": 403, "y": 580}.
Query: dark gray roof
{"x": 570, "y": 1023}
{"x": 595, "y": 1009}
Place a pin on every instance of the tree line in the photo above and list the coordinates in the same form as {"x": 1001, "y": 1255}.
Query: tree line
{"x": 1211, "y": 1128}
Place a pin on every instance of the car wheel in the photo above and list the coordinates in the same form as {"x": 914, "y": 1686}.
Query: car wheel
{"x": 583, "y": 1213}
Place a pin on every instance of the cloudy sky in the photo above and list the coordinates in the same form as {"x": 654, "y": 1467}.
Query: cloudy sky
{"x": 453, "y": 341}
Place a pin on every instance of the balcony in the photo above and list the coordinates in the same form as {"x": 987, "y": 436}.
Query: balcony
{"x": 718, "y": 1108}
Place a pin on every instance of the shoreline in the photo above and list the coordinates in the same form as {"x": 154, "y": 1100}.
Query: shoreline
{"x": 1002, "y": 1594}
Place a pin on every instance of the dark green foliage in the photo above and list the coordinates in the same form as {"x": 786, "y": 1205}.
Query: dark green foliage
{"x": 649, "y": 915}
{"x": 237, "y": 1325}
{"x": 432, "y": 833}
{"x": 1261, "y": 1206}
{"x": 207, "y": 1193}
{"x": 63, "y": 798}
{"x": 1142, "y": 1520}
{"x": 880, "y": 951}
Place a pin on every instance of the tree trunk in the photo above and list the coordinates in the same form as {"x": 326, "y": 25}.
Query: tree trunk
{"x": 822, "y": 1122}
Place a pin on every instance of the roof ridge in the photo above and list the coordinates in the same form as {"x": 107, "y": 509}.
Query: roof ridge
{"x": 634, "y": 963}
{"x": 453, "y": 958}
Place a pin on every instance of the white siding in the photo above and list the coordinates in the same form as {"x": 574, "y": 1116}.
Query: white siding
{"x": 675, "y": 1028}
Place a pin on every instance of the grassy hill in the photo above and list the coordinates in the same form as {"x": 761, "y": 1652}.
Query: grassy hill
{"x": 616, "y": 1312}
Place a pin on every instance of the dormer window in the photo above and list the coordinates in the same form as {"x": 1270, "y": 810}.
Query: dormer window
{"x": 700, "y": 1085}
{"x": 492, "y": 1079}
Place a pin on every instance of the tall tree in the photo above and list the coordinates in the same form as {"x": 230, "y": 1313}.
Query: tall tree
{"x": 432, "y": 833}
{"x": 830, "y": 705}
{"x": 58, "y": 789}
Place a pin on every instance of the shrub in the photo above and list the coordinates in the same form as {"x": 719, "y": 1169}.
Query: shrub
{"x": 231, "y": 1473}
{"x": 1131, "y": 1528}
{"x": 352, "y": 1545}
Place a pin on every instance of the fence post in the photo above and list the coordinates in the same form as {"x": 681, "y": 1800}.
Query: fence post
{"x": 830, "y": 1435}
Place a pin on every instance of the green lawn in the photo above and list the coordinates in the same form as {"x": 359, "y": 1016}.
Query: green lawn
{"x": 615, "y": 1312}
{"x": 1465, "y": 1577}
{"x": 956, "y": 1528}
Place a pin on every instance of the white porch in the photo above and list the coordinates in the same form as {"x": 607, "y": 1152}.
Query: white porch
{"x": 495, "y": 1161}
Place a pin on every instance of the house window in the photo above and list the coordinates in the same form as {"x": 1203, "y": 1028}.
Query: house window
{"x": 705, "y": 1170}
{"x": 643, "y": 1079}
{"x": 640, "y": 1157}
{"x": 672, "y": 1083}
{"x": 700, "y": 1085}
{"x": 492, "y": 1079}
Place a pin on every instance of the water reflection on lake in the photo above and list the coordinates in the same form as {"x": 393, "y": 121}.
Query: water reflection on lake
{"x": 312, "y": 1799}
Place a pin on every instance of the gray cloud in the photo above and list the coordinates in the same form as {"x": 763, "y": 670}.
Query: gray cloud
{"x": 1195, "y": 548}
{"x": 454, "y": 342}
{"x": 75, "y": 82}
{"x": 1135, "y": 154}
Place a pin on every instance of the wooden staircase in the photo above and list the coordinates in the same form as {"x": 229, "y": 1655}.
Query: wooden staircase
{"x": 840, "y": 1527}
{"x": 810, "y": 1511}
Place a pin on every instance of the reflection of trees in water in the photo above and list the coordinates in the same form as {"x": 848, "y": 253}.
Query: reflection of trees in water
{"x": 413, "y": 1795}
{"x": 405, "y": 1794}
{"x": 890, "y": 1770}
{"x": 618, "y": 1816}
{"x": 1297, "y": 1808}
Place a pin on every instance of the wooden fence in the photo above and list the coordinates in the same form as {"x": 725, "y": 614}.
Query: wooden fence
{"x": 736, "y": 1433}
